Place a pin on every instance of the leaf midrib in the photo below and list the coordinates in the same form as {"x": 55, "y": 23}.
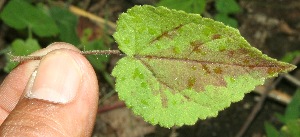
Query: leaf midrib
{"x": 139, "y": 57}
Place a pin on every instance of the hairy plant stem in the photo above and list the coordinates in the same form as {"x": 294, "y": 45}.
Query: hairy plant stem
{"x": 89, "y": 52}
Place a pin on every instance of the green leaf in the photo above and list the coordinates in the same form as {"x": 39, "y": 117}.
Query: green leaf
{"x": 194, "y": 6}
{"x": 67, "y": 24}
{"x": 19, "y": 14}
{"x": 227, "y": 6}
{"x": 226, "y": 20}
{"x": 181, "y": 67}
{"x": 291, "y": 119}
{"x": 271, "y": 130}
{"x": 292, "y": 111}
{"x": 280, "y": 117}
{"x": 290, "y": 56}
{"x": 20, "y": 47}
{"x": 293, "y": 128}
{"x": 86, "y": 35}
{"x": 9, "y": 66}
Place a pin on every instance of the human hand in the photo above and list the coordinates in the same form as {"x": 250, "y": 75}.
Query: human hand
{"x": 55, "y": 97}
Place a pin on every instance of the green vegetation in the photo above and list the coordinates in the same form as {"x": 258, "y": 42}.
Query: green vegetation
{"x": 179, "y": 66}
{"x": 290, "y": 56}
{"x": 191, "y": 6}
{"x": 168, "y": 70}
{"x": 41, "y": 21}
{"x": 291, "y": 120}
{"x": 224, "y": 8}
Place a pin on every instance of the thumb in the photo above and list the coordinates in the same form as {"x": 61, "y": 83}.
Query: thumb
{"x": 60, "y": 99}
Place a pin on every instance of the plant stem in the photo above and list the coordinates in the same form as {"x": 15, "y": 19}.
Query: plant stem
{"x": 89, "y": 52}
{"x": 101, "y": 52}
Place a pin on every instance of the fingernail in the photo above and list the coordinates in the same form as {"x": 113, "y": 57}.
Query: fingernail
{"x": 57, "y": 78}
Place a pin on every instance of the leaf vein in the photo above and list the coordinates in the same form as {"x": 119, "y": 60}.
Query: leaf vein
{"x": 139, "y": 57}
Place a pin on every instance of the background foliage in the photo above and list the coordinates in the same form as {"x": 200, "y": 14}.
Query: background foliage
{"x": 290, "y": 119}
{"x": 42, "y": 21}
{"x": 224, "y": 8}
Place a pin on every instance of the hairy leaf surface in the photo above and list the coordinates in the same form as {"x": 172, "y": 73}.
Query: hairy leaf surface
{"x": 181, "y": 67}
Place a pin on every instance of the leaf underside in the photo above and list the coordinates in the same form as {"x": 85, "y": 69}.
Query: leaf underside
{"x": 181, "y": 67}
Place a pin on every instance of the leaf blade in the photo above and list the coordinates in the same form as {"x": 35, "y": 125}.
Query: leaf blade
{"x": 170, "y": 75}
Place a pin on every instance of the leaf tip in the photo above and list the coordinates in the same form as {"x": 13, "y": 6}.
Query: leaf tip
{"x": 281, "y": 68}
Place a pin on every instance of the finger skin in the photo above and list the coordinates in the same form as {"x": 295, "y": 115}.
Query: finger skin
{"x": 33, "y": 117}
{"x": 14, "y": 84}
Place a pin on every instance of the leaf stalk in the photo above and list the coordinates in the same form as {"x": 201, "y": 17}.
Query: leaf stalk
{"x": 85, "y": 53}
